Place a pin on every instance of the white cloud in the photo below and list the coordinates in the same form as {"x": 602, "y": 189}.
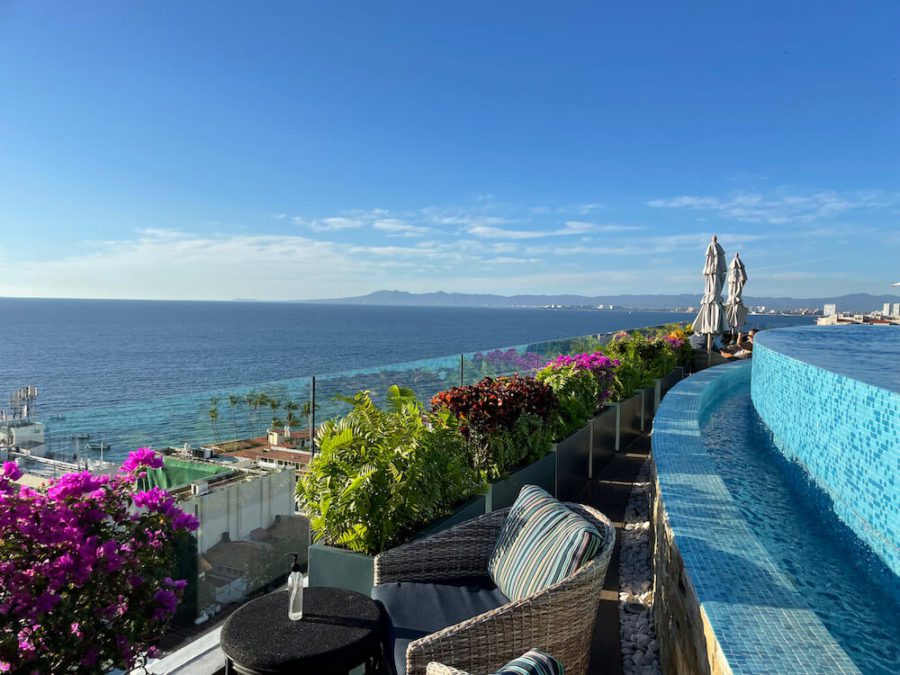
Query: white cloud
{"x": 781, "y": 208}
{"x": 331, "y": 224}
{"x": 507, "y": 260}
{"x": 398, "y": 228}
{"x": 583, "y": 209}
{"x": 570, "y": 227}
{"x": 581, "y": 226}
{"x": 489, "y": 232}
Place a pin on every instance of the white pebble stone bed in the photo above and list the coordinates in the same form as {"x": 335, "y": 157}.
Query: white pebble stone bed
{"x": 640, "y": 652}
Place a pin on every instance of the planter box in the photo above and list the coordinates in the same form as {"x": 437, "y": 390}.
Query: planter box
{"x": 471, "y": 509}
{"x": 604, "y": 437}
{"x": 646, "y": 408}
{"x": 573, "y": 463}
{"x": 542, "y": 473}
{"x": 664, "y": 384}
{"x": 340, "y": 568}
{"x": 630, "y": 419}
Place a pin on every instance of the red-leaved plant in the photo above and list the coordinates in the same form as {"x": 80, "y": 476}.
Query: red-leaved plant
{"x": 505, "y": 421}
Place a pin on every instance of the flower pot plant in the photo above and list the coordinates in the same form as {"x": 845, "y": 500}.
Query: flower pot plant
{"x": 506, "y": 421}
{"x": 381, "y": 474}
{"x": 582, "y": 384}
{"x": 86, "y": 563}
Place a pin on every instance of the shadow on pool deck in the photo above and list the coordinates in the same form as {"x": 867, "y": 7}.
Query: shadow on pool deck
{"x": 609, "y": 493}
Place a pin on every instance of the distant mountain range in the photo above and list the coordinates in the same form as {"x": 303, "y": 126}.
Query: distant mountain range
{"x": 854, "y": 302}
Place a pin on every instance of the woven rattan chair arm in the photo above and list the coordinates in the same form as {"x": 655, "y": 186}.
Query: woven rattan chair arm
{"x": 435, "y": 668}
{"x": 462, "y": 551}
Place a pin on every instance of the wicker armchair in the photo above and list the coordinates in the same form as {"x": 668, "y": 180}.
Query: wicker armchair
{"x": 558, "y": 619}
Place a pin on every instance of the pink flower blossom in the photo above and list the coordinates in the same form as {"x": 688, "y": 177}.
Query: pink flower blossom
{"x": 85, "y": 575}
{"x": 11, "y": 471}
{"x": 142, "y": 458}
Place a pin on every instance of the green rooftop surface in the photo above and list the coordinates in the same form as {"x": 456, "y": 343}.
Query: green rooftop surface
{"x": 176, "y": 473}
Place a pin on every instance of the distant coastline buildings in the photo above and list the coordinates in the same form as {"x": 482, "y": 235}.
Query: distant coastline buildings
{"x": 889, "y": 315}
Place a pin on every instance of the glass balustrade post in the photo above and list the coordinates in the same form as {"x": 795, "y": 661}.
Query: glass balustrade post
{"x": 462, "y": 370}
{"x": 312, "y": 416}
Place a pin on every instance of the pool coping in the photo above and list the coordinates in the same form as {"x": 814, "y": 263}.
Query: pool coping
{"x": 760, "y": 622}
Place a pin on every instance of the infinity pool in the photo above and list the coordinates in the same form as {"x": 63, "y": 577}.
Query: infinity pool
{"x": 851, "y": 590}
{"x": 869, "y": 354}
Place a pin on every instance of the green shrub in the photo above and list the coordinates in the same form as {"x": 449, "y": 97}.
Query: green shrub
{"x": 577, "y": 395}
{"x": 642, "y": 360}
{"x": 583, "y": 383}
{"x": 380, "y": 475}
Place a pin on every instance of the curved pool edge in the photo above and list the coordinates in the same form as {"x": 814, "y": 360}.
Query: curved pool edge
{"x": 844, "y": 432}
{"x": 722, "y": 605}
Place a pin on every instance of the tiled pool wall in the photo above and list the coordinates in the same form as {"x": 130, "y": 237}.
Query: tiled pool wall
{"x": 845, "y": 433}
{"x": 722, "y": 605}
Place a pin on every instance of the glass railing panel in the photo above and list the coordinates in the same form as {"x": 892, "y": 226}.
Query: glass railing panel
{"x": 425, "y": 377}
{"x": 213, "y": 417}
{"x": 247, "y": 510}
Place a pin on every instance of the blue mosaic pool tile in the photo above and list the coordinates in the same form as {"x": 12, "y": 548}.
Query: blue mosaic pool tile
{"x": 762, "y": 624}
{"x": 844, "y": 432}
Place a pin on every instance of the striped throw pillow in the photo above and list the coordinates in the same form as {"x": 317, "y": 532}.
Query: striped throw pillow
{"x": 533, "y": 662}
{"x": 542, "y": 542}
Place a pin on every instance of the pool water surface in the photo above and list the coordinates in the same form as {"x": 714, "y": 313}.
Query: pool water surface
{"x": 850, "y": 589}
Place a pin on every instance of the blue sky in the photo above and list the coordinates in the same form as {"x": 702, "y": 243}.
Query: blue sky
{"x": 311, "y": 149}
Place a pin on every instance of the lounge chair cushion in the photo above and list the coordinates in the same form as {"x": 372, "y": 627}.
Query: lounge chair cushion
{"x": 542, "y": 542}
{"x": 415, "y": 610}
{"x": 533, "y": 662}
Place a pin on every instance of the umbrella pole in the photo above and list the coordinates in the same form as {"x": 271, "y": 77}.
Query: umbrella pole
{"x": 709, "y": 350}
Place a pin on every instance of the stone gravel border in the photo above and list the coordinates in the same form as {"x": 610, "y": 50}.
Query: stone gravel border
{"x": 640, "y": 651}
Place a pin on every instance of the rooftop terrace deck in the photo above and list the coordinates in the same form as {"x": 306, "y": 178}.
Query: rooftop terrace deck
{"x": 608, "y": 492}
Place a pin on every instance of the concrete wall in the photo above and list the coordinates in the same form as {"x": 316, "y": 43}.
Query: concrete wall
{"x": 241, "y": 507}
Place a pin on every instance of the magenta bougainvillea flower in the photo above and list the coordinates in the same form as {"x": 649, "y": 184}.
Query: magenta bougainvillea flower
{"x": 86, "y": 564}
{"x": 598, "y": 364}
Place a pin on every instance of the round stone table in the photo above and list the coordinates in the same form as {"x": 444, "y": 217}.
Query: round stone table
{"x": 339, "y": 631}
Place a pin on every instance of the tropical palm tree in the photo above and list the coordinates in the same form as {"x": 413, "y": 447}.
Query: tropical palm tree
{"x": 262, "y": 400}
{"x": 259, "y": 400}
{"x": 233, "y": 400}
{"x": 306, "y": 410}
{"x": 250, "y": 399}
{"x": 274, "y": 405}
{"x": 290, "y": 420}
{"x": 290, "y": 407}
{"x": 214, "y": 416}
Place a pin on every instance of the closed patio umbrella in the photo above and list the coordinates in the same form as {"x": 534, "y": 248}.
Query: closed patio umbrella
{"x": 711, "y": 319}
{"x": 735, "y": 311}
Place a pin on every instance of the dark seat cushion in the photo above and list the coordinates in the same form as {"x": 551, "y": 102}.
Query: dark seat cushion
{"x": 415, "y": 610}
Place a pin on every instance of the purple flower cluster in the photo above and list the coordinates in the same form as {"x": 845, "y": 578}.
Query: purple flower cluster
{"x": 598, "y": 364}
{"x": 509, "y": 360}
{"x": 84, "y": 562}
{"x": 674, "y": 342}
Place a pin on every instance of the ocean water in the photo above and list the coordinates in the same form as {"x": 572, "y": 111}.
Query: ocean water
{"x": 142, "y": 372}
